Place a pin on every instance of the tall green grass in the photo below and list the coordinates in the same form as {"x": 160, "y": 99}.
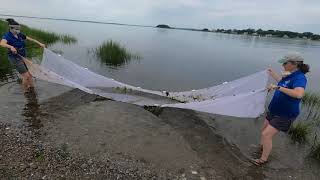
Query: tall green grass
{"x": 311, "y": 99}
{"x": 41, "y": 35}
{"x": 300, "y": 131}
{"x": 68, "y": 39}
{"x": 310, "y": 124}
{"x": 303, "y": 127}
{"x": 311, "y": 103}
{"x": 4, "y": 64}
{"x": 112, "y": 53}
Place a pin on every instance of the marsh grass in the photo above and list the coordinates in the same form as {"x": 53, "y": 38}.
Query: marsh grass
{"x": 300, "y": 131}
{"x": 68, "y": 39}
{"x": 311, "y": 99}
{"x": 311, "y": 104}
{"x": 303, "y": 128}
{"x": 41, "y": 35}
{"x": 5, "y": 66}
{"x": 112, "y": 53}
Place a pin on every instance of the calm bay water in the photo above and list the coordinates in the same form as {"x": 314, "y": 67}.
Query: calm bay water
{"x": 176, "y": 60}
{"x": 179, "y": 60}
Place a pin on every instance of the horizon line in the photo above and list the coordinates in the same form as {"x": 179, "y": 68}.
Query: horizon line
{"x": 75, "y": 20}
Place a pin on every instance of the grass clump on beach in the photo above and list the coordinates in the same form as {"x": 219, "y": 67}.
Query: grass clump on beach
{"x": 303, "y": 128}
{"x": 299, "y": 131}
{"x": 112, "y": 53}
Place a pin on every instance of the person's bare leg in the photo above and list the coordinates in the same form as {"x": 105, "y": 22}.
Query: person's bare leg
{"x": 30, "y": 80}
{"x": 267, "y": 136}
{"x": 26, "y": 81}
{"x": 265, "y": 124}
{"x": 31, "y": 85}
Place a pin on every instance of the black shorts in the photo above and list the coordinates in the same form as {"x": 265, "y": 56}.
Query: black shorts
{"x": 280, "y": 123}
{"x": 19, "y": 64}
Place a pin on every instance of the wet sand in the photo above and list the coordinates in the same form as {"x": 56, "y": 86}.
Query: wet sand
{"x": 68, "y": 134}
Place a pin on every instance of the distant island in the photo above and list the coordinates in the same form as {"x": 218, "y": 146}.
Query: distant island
{"x": 253, "y": 32}
{"x": 163, "y": 26}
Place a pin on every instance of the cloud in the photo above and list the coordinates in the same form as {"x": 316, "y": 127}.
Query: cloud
{"x": 293, "y": 14}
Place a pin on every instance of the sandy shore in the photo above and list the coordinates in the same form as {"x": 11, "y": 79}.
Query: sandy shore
{"x": 68, "y": 134}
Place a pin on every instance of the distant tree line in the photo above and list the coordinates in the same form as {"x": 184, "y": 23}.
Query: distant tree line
{"x": 273, "y": 33}
{"x": 253, "y": 32}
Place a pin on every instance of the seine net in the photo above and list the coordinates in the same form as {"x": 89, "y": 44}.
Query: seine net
{"x": 244, "y": 97}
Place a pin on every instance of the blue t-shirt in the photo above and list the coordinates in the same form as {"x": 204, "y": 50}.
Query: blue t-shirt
{"x": 283, "y": 105}
{"x": 18, "y": 43}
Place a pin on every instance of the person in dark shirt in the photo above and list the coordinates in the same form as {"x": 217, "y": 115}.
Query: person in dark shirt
{"x": 285, "y": 104}
{"x": 14, "y": 41}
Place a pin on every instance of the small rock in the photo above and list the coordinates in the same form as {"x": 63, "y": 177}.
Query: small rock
{"x": 84, "y": 166}
{"x": 203, "y": 178}
{"x": 194, "y": 172}
{"x": 90, "y": 161}
{"x": 23, "y": 167}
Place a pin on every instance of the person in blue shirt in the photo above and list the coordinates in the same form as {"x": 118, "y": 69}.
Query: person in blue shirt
{"x": 285, "y": 104}
{"x": 14, "y": 41}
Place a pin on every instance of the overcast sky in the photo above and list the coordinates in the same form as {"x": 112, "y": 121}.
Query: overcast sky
{"x": 295, "y": 15}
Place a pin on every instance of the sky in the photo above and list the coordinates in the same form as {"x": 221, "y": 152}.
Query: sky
{"x": 293, "y": 15}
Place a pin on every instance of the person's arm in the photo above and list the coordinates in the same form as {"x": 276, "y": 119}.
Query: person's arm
{"x": 36, "y": 41}
{"x": 4, "y": 43}
{"x": 297, "y": 92}
{"x": 274, "y": 74}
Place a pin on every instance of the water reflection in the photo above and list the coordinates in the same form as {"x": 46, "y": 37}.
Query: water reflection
{"x": 32, "y": 111}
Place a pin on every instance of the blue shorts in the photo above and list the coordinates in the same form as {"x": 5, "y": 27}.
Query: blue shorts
{"x": 19, "y": 64}
{"x": 280, "y": 123}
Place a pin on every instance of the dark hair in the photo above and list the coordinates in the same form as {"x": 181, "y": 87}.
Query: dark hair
{"x": 12, "y": 22}
{"x": 305, "y": 68}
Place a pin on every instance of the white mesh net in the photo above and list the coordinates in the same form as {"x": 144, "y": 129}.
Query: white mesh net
{"x": 244, "y": 97}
